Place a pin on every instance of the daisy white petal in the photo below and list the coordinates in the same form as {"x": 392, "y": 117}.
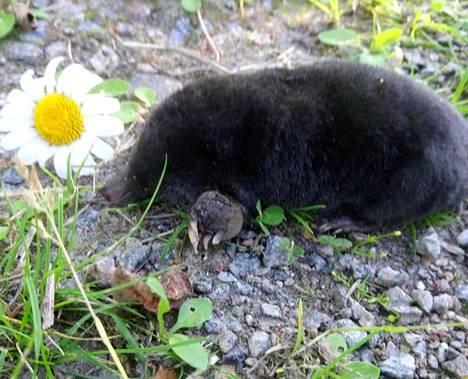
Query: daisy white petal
{"x": 17, "y": 138}
{"x": 86, "y": 83}
{"x": 44, "y": 152}
{"x": 29, "y": 151}
{"x": 88, "y": 166}
{"x": 102, "y": 150}
{"x": 104, "y": 126}
{"x": 49, "y": 74}
{"x": 33, "y": 87}
{"x": 61, "y": 160}
{"x": 68, "y": 77}
{"x": 17, "y": 96}
{"x": 17, "y": 111}
{"x": 9, "y": 124}
{"x": 99, "y": 104}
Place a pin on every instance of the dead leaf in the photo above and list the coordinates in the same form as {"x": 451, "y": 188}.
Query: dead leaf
{"x": 178, "y": 287}
{"x": 104, "y": 270}
{"x": 175, "y": 282}
{"x": 24, "y": 18}
{"x": 139, "y": 291}
{"x": 21, "y": 168}
{"x": 165, "y": 373}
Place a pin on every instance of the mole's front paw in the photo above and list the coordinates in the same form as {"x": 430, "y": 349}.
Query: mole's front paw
{"x": 214, "y": 217}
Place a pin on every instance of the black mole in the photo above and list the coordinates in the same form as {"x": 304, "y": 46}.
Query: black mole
{"x": 368, "y": 143}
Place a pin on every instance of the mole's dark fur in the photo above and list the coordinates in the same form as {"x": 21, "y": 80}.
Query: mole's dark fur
{"x": 368, "y": 143}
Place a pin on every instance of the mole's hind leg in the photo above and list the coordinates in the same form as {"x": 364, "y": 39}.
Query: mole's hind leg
{"x": 345, "y": 224}
{"x": 214, "y": 217}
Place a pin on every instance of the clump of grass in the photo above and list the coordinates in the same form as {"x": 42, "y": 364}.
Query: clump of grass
{"x": 46, "y": 324}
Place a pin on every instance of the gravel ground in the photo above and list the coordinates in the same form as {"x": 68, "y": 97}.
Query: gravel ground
{"x": 254, "y": 291}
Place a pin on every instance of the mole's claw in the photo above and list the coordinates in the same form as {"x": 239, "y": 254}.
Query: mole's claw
{"x": 215, "y": 217}
{"x": 217, "y": 238}
{"x": 206, "y": 241}
{"x": 194, "y": 237}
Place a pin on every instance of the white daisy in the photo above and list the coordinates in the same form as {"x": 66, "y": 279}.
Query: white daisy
{"x": 60, "y": 118}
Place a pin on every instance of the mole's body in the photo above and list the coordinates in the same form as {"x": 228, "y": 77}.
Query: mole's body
{"x": 367, "y": 143}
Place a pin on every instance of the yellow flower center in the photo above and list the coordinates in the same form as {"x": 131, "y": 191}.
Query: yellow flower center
{"x": 58, "y": 119}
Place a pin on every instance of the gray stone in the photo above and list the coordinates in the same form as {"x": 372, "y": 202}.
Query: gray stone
{"x": 259, "y": 342}
{"x": 339, "y": 297}
{"x": 236, "y": 357}
{"x": 432, "y": 362}
{"x": 271, "y": 310}
{"x": 104, "y": 61}
{"x": 214, "y": 326}
{"x": 234, "y": 324}
{"x": 249, "y": 319}
{"x": 399, "y": 303}
{"x": 319, "y": 263}
{"x": 461, "y": 291}
{"x": 163, "y": 85}
{"x": 442, "y": 303}
{"x": 181, "y": 30}
{"x": 399, "y": 367}
{"x": 457, "y": 367}
{"x": 363, "y": 271}
{"x": 132, "y": 254}
{"x": 274, "y": 256}
{"x": 226, "y": 277}
{"x": 314, "y": 319}
{"x": 462, "y": 238}
{"x": 429, "y": 245}
{"x": 352, "y": 338}
{"x": 397, "y": 294}
{"x": 220, "y": 292}
{"x": 202, "y": 285}
{"x": 279, "y": 275}
{"x": 25, "y": 52}
{"x": 441, "y": 352}
{"x": 244, "y": 263}
{"x": 423, "y": 299}
{"x": 36, "y": 35}
{"x": 242, "y": 287}
{"x": 227, "y": 341}
{"x": 55, "y": 49}
{"x": 87, "y": 219}
{"x": 420, "y": 349}
{"x": 389, "y": 277}
{"x": 361, "y": 314}
{"x": 40, "y": 3}
{"x": 12, "y": 177}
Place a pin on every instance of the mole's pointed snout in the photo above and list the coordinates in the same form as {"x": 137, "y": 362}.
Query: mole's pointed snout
{"x": 115, "y": 191}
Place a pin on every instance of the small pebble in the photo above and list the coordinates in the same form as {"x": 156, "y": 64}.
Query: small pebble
{"x": 461, "y": 292}
{"x": 462, "y": 238}
{"x": 442, "y": 303}
{"x": 389, "y": 277}
{"x": 399, "y": 302}
{"x": 226, "y": 277}
{"x": 352, "y": 338}
{"x": 423, "y": 299}
{"x": 259, "y": 342}
{"x": 203, "y": 285}
{"x": 271, "y": 310}
{"x": 274, "y": 255}
{"x": 399, "y": 367}
{"x": 25, "y": 52}
{"x": 429, "y": 245}
{"x": 457, "y": 367}
{"x": 227, "y": 341}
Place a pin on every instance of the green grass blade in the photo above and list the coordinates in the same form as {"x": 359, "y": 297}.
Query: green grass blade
{"x": 36, "y": 314}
